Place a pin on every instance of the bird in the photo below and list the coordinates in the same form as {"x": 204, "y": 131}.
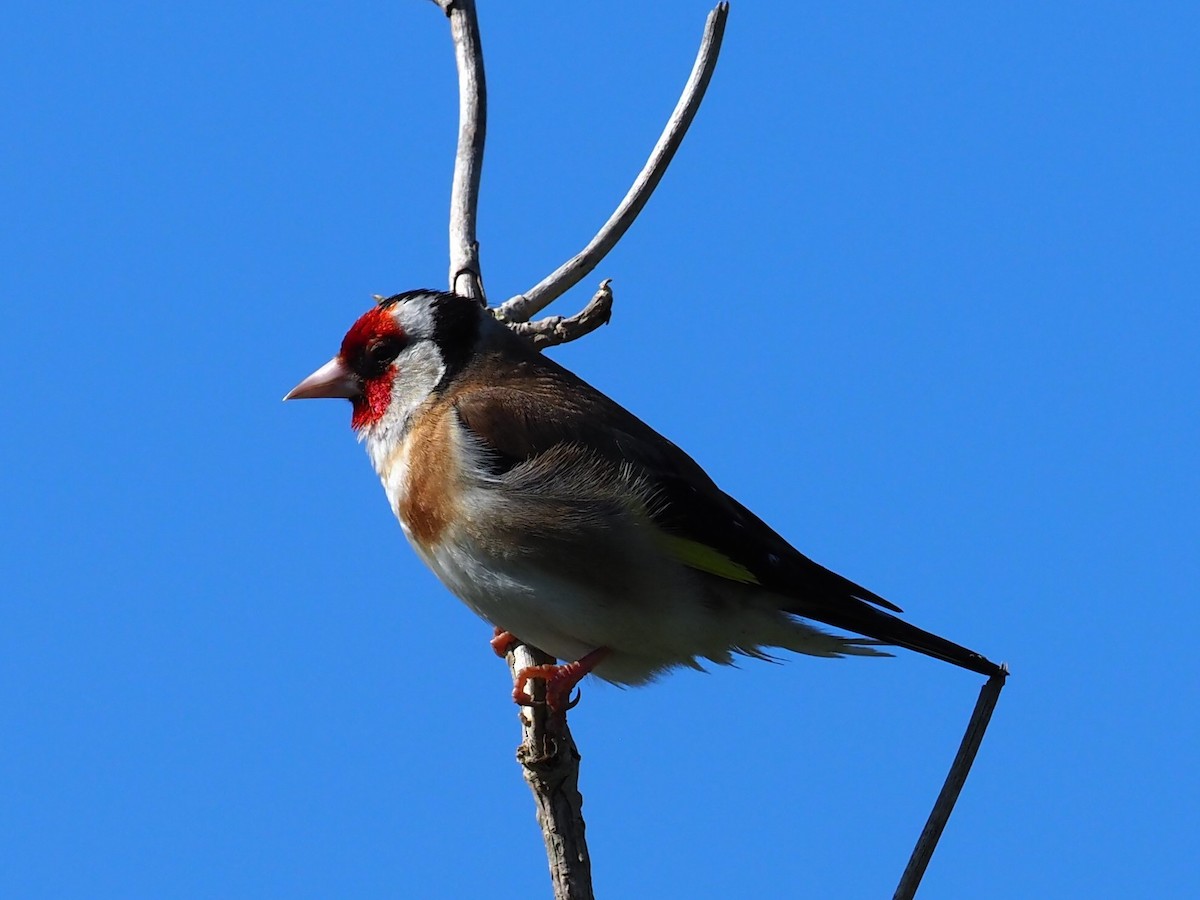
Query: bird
{"x": 571, "y": 525}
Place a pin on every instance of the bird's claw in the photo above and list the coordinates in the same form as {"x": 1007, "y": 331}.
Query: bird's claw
{"x": 560, "y": 681}
{"x": 503, "y": 641}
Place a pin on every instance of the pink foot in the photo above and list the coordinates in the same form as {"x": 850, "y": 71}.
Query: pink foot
{"x": 503, "y": 642}
{"x": 560, "y": 680}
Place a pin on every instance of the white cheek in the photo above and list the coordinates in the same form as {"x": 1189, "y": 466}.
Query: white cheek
{"x": 419, "y": 369}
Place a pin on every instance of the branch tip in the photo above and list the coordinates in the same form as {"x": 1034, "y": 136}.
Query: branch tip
{"x": 523, "y": 307}
{"x": 989, "y": 694}
{"x": 554, "y": 330}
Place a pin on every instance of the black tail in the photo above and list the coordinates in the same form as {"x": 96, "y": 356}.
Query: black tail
{"x": 852, "y": 612}
{"x": 888, "y": 629}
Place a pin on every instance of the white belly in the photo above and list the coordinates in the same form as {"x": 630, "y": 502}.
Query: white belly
{"x": 674, "y": 617}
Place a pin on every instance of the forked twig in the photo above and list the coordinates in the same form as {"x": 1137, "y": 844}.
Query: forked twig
{"x": 523, "y": 307}
{"x": 955, "y": 779}
{"x": 554, "y": 330}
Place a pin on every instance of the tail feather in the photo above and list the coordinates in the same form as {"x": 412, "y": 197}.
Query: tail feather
{"x": 888, "y": 629}
{"x": 857, "y": 615}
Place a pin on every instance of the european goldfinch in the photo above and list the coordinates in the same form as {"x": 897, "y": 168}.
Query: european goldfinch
{"x": 567, "y": 522}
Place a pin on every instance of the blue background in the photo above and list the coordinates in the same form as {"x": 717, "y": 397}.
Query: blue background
{"x": 920, "y": 289}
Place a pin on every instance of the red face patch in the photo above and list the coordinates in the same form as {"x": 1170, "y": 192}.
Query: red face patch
{"x": 375, "y": 330}
{"x": 371, "y": 326}
{"x": 372, "y": 403}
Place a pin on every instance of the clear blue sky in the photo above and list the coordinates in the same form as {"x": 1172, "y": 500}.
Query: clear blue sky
{"x": 920, "y": 289}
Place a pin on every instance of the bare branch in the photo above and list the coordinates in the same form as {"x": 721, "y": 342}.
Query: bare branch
{"x": 523, "y": 307}
{"x": 550, "y": 763}
{"x": 955, "y": 779}
{"x": 466, "y": 277}
{"x": 548, "y": 756}
{"x": 554, "y": 330}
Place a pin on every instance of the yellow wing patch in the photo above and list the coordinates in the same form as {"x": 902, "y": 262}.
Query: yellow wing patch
{"x": 695, "y": 555}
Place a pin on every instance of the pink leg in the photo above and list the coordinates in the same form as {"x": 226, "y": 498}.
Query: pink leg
{"x": 560, "y": 680}
{"x": 503, "y": 642}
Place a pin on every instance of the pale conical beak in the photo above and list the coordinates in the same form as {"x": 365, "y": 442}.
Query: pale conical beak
{"x": 333, "y": 379}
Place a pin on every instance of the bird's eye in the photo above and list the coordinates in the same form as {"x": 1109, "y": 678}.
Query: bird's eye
{"x": 383, "y": 351}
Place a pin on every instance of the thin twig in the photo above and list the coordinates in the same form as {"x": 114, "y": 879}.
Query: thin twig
{"x": 554, "y": 330}
{"x": 466, "y": 276}
{"x": 523, "y": 307}
{"x": 955, "y": 779}
{"x": 550, "y": 763}
{"x": 548, "y": 756}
